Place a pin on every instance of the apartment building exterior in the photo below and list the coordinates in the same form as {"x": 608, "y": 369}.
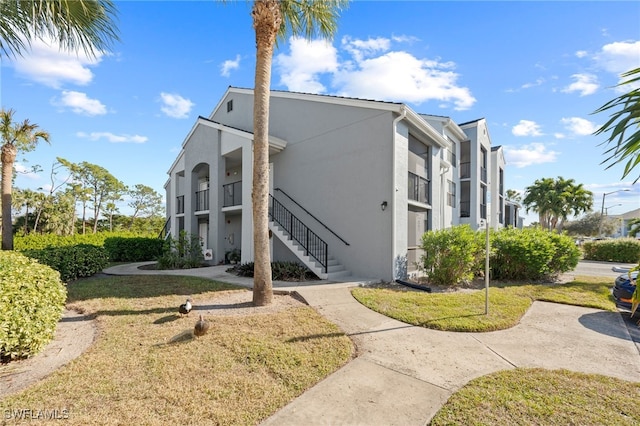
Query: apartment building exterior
{"x": 354, "y": 183}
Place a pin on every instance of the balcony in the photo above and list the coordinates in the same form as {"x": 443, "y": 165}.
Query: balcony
{"x": 465, "y": 170}
{"x": 465, "y": 209}
{"x": 180, "y": 204}
{"x": 419, "y": 189}
{"x": 232, "y": 194}
{"x": 202, "y": 200}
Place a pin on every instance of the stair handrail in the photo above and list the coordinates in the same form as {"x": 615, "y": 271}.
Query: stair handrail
{"x": 165, "y": 229}
{"x": 309, "y": 213}
{"x": 312, "y": 244}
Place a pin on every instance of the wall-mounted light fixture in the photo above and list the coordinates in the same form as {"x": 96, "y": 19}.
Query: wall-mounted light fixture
{"x": 383, "y": 205}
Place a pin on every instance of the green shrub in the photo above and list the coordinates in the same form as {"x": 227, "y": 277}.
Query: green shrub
{"x": 280, "y": 271}
{"x": 623, "y": 250}
{"x": 135, "y": 249}
{"x": 40, "y": 241}
{"x": 32, "y": 298}
{"x": 83, "y": 260}
{"x": 184, "y": 252}
{"x": 532, "y": 254}
{"x": 451, "y": 256}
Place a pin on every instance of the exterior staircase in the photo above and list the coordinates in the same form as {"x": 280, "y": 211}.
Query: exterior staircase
{"x": 333, "y": 270}
{"x": 308, "y": 247}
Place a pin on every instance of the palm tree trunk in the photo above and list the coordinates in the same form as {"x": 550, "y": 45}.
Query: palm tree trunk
{"x": 266, "y": 22}
{"x": 8, "y": 158}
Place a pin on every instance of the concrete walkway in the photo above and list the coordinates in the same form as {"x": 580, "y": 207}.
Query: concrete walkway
{"x": 403, "y": 374}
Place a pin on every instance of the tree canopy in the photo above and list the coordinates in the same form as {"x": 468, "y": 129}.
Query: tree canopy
{"x": 88, "y": 25}
{"x": 556, "y": 199}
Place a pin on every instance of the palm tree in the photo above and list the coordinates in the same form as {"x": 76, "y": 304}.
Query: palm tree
{"x": 555, "y": 199}
{"x": 623, "y": 125}
{"x": 273, "y": 19}
{"x": 15, "y": 137}
{"x": 79, "y": 24}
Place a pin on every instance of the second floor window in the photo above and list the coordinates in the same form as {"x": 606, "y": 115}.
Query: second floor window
{"x": 451, "y": 193}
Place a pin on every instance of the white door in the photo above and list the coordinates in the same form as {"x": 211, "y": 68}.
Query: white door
{"x": 203, "y": 233}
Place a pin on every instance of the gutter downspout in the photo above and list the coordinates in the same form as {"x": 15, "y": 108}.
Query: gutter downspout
{"x": 443, "y": 169}
{"x": 394, "y": 189}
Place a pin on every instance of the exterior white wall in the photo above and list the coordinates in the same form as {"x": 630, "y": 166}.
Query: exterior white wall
{"x": 341, "y": 162}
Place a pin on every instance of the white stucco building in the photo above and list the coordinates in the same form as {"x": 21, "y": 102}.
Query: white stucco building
{"x": 356, "y": 182}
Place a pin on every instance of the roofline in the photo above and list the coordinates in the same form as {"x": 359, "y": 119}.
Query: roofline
{"x": 410, "y": 115}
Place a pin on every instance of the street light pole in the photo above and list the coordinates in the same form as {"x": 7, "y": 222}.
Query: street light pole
{"x": 602, "y": 209}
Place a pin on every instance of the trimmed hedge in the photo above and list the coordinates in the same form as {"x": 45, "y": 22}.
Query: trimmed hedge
{"x": 137, "y": 249}
{"x": 532, "y": 254}
{"x": 623, "y": 250}
{"x": 83, "y": 260}
{"x": 40, "y": 241}
{"x": 32, "y": 298}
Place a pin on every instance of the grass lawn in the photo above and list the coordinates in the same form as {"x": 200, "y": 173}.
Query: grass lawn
{"x": 542, "y": 397}
{"x": 146, "y": 368}
{"x": 464, "y": 310}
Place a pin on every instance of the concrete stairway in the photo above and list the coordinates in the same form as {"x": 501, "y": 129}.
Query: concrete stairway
{"x": 335, "y": 270}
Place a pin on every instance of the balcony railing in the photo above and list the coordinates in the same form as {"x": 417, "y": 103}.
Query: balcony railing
{"x": 232, "y": 194}
{"x": 180, "y": 204}
{"x": 465, "y": 209}
{"x": 465, "y": 170}
{"x": 419, "y": 189}
{"x": 202, "y": 200}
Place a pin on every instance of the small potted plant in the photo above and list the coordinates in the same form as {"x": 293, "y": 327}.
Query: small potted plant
{"x": 234, "y": 256}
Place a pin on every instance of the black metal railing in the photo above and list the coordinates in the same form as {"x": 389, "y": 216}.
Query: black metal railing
{"x": 465, "y": 170}
{"x": 180, "y": 204}
{"x": 312, "y": 244}
{"x": 232, "y": 194}
{"x": 465, "y": 208}
{"x": 419, "y": 189}
{"x": 315, "y": 218}
{"x": 202, "y": 200}
{"x": 165, "y": 229}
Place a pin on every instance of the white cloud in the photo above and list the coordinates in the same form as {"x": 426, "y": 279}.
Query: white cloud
{"x": 360, "y": 49}
{"x": 579, "y": 126}
{"x": 47, "y": 64}
{"x": 373, "y": 71}
{"x": 80, "y": 103}
{"x": 299, "y": 70}
{"x": 526, "y": 128}
{"x": 228, "y": 65}
{"x": 619, "y": 57}
{"x": 25, "y": 171}
{"x": 175, "y": 106}
{"x": 112, "y": 138}
{"x": 581, "y": 53}
{"x": 527, "y": 155}
{"x": 586, "y": 84}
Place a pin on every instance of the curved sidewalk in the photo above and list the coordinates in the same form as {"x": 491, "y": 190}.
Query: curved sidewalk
{"x": 403, "y": 374}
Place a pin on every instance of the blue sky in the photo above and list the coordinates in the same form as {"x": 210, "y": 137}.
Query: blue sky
{"x": 535, "y": 70}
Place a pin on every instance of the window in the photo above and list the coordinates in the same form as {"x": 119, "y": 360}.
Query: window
{"x": 230, "y": 105}
{"x": 451, "y": 194}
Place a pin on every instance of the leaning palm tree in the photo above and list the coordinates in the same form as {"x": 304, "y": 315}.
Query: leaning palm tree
{"x": 78, "y": 24}
{"x": 274, "y": 19}
{"x": 16, "y": 137}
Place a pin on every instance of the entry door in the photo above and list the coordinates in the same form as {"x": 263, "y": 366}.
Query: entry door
{"x": 203, "y": 233}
